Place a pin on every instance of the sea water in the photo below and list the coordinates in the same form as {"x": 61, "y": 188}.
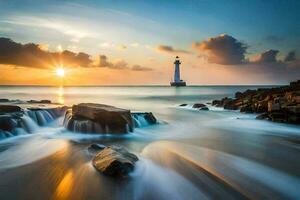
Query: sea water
{"x": 189, "y": 154}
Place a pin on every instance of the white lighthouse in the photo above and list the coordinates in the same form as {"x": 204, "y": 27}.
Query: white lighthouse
{"x": 177, "y": 81}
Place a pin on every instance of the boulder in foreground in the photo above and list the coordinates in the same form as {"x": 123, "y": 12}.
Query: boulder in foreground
{"x": 115, "y": 161}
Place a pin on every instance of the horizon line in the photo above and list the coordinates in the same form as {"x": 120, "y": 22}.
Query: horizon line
{"x": 148, "y": 85}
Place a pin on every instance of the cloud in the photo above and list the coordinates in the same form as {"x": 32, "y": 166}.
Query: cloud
{"x": 269, "y": 56}
{"x": 38, "y": 56}
{"x": 170, "y": 49}
{"x": 32, "y": 55}
{"x": 223, "y": 49}
{"x": 140, "y": 68}
{"x": 291, "y": 56}
{"x": 104, "y": 62}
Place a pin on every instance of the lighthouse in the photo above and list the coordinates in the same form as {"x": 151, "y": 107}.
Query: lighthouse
{"x": 177, "y": 81}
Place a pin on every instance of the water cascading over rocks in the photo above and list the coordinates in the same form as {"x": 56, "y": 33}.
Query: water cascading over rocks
{"x": 15, "y": 120}
{"x": 102, "y": 119}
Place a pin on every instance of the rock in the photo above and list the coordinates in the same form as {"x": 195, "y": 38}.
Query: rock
{"x": 143, "y": 119}
{"x": 96, "y": 147}
{"x": 204, "y": 108}
{"x": 238, "y": 95}
{"x": 199, "y": 105}
{"x": 115, "y": 161}
{"x": 246, "y": 108}
{"x": 231, "y": 105}
{"x": 39, "y": 101}
{"x": 217, "y": 103}
{"x": 150, "y": 118}
{"x": 262, "y": 107}
{"x": 4, "y": 100}
{"x": 9, "y": 108}
{"x": 272, "y": 106}
{"x": 263, "y": 116}
{"x": 278, "y": 117}
{"x": 7, "y": 123}
{"x": 110, "y": 119}
{"x": 184, "y": 104}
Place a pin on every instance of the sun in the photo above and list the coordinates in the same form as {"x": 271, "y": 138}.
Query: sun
{"x": 60, "y": 72}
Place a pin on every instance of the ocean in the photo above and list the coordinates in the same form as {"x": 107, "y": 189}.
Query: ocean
{"x": 189, "y": 154}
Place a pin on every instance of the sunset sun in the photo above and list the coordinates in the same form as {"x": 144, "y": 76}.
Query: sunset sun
{"x": 60, "y": 72}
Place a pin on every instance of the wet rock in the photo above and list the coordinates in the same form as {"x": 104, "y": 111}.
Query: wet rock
{"x": 96, "y": 147}
{"x": 114, "y": 161}
{"x": 263, "y": 116}
{"x": 199, "y": 105}
{"x": 246, "y": 108}
{"x": 184, "y": 104}
{"x": 110, "y": 119}
{"x": 143, "y": 119}
{"x": 150, "y": 118}
{"x": 7, "y": 122}
{"x": 103, "y": 119}
{"x": 9, "y": 108}
{"x": 204, "y": 108}
{"x": 4, "y": 100}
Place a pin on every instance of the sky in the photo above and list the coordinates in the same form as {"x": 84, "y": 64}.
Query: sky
{"x": 135, "y": 42}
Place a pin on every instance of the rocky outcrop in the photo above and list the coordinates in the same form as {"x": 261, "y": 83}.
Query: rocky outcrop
{"x": 102, "y": 119}
{"x": 114, "y": 161}
{"x": 280, "y": 104}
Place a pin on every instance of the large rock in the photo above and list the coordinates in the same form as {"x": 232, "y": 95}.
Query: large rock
{"x": 110, "y": 119}
{"x": 114, "y": 161}
{"x": 102, "y": 119}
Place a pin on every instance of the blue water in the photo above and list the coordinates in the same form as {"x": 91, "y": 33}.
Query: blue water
{"x": 190, "y": 154}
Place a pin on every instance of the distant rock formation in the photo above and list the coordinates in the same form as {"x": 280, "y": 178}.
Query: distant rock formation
{"x": 280, "y": 104}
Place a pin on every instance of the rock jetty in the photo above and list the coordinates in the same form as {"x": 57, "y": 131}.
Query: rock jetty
{"x": 279, "y": 104}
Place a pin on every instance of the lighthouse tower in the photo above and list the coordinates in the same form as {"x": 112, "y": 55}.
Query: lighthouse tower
{"x": 177, "y": 81}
